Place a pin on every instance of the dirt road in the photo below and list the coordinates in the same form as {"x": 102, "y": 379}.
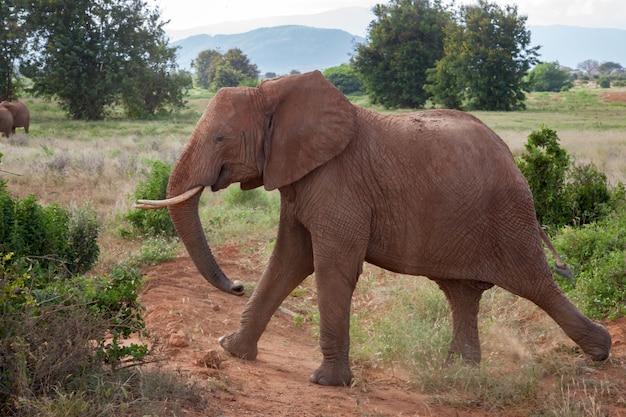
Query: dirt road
{"x": 186, "y": 315}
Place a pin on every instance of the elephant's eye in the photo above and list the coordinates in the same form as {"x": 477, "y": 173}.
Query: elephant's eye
{"x": 219, "y": 139}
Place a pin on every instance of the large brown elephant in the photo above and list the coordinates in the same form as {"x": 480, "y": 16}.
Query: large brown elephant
{"x": 6, "y": 122}
{"x": 434, "y": 193}
{"x": 20, "y": 113}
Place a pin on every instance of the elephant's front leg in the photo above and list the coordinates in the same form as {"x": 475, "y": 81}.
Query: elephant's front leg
{"x": 291, "y": 262}
{"x": 335, "y": 285}
{"x": 464, "y": 300}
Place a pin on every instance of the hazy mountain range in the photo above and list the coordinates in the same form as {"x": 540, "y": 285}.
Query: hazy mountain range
{"x": 324, "y": 40}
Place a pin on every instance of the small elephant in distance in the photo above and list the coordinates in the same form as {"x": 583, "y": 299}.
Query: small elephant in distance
{"x": 20, "y": 113}
{"x": 6, "y": 122}
{"x": 433, "y": 193}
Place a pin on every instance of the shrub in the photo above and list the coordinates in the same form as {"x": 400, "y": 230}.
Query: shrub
{"x": 544, "y": 164}
{"x": 549, "y": 77}
{"x": 597, "y": 253}
{"x": 564, "y": 193}
{"x": 54, "y": 333}
{"x": 344, "y": 78}
{"x": 50, "y": 239}
{"x": 153, "y": 222}
{"x": 256, "y": 198}
{"x": 587, "y": 194}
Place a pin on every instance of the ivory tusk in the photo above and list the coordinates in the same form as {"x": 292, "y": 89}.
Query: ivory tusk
{"x": 156, "y": 204}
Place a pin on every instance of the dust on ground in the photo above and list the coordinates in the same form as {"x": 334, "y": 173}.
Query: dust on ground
{"x": 614, "y": 97}
{"x": 185, "y": 316}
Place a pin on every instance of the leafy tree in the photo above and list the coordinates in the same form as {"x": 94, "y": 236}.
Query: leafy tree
{"x": 344, "y": 78}
{"x": 548, "y": 77}
{"x": 91, "y": 53}
{"x": 405, "y": 39}
{"x": 609, "y": 67}
{"x": 12, "y": 41}
{"x": 156, "y": 85}
{"x": 590, "y": 66}
{"x": 204, "y": 66}
{"x": 214, "y": 70}
{"x": 487, "y": 55}
{"x": 237, "y": 60}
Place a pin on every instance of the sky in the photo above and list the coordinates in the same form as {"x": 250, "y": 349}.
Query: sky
{"x": 185, "y": 14}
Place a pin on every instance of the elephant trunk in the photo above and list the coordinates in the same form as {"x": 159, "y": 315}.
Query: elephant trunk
{"x": 186, "y": 220}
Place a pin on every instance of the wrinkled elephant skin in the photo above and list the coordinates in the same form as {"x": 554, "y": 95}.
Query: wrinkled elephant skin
{"x": 434, "y": 193}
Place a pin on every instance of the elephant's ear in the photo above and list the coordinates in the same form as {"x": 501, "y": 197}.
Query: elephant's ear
{"x": 309, "y": 123}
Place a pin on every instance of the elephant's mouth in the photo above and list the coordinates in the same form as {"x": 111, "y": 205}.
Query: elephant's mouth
{"x": 222, "y": 180}
{"x": 230, "y": 173}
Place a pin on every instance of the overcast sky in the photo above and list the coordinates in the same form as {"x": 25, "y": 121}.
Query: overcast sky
{"x": 184, "y": 14}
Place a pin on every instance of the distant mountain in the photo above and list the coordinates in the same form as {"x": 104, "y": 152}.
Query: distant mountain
{"x": 277, "y": 49}
{"x": 354, "y": 20}
{"x": 282, "y": 48}
{"x": 571, "y": 45}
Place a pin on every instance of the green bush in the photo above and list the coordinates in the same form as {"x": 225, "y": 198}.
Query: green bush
{"x": 50, "y": 239}
{"x": 545, "y": 164}
{"x": 564, "y": 193}
{"x": 344, "y": 78}
{"x": 597, "y": 254}
{"x": 587, "y": 194}
{"x": 256, "y": 198}
{"x": 153, "y": 222}
{"x": 549, "y": 77}
{"x": 53, "y": 333}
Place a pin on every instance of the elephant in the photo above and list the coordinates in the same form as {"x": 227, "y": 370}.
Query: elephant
{"x": 6, "y": 121}
{"x": 21, "y": 114}
{"x": 434, "y": 193}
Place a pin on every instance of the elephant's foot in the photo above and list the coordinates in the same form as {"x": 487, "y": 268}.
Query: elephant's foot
{"x": 600, "y": 344}
{"x": 234, "y": 345}
{"x": 332, "y": 374}
{"x": 469, "y": 352}
{"x": 468, "y": 360}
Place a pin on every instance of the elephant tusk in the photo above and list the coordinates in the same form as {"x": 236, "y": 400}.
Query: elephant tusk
{"x": 157, "y": 204}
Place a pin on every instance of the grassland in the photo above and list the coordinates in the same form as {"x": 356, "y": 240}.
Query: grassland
{"x": 100, "y": 163}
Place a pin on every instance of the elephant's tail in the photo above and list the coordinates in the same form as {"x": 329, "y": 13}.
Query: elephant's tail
{"x": 560, "y": 267}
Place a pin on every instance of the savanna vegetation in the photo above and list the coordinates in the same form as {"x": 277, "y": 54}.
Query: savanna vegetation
{"x": 85, "y": 177}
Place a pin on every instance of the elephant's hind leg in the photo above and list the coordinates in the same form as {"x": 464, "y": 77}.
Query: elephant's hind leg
{"x": 592, "y": 338}
{"x": 464, "y": 299}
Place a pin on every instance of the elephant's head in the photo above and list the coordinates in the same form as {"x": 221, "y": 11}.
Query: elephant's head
{"x": 272, "y": 135}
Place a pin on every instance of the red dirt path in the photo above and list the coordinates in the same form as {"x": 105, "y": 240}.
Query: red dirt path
{"x": 185, "y": 316}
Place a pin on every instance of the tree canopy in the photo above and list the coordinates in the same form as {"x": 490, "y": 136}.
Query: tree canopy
{"x": 90, "y": 54}
{"x": 609, "y": 67}
{"x": 590, "y": 66}
{"x": 487, "y": 55}
{"x": 405, "y": 39}
{"x": 344, "y": 79}
{"x": 12, "y": 41}
{"x": 548, "y": 76}
{"x": 215, "y": 70}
